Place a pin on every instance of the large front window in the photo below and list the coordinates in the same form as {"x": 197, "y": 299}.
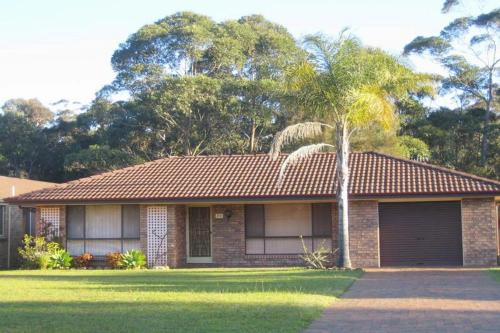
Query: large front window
{"x": 276, "y": 228}
{"x": 101, "y": 229}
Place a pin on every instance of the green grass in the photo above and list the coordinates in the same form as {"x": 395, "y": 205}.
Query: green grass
{"x": 190, "y": 300}
{"x": 495, "y": 272}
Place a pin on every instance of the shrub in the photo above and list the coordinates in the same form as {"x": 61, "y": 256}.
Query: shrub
{"x": 320, "y": 258}
{"x": 36, "y": 252}
{"x": 113, "y": 259}
{"x": 133, "y": 259}
{"x": 83, "y": 261}
{"x": 60, "y": 259}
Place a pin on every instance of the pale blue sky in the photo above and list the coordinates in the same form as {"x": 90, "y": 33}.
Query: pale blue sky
{"x": 55, "y": 49}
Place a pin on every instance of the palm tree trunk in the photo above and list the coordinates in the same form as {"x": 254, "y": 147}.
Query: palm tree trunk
{"x": 342, "y": 144}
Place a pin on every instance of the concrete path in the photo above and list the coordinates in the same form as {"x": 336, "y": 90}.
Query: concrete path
{"x": 416, "y": 300}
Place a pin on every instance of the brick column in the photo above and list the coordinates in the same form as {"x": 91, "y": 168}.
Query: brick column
{"x": 176, "y": 238}
{"x": 143, "y": 228}
{"x": 364, "y": 233}
{"x": 228, "y": 236}
{"x": 479, "y": 234}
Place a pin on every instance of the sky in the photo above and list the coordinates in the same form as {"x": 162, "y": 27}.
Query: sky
{"x": 60, "y": 49}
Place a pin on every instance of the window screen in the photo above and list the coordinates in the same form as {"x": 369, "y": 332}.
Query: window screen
{"x": 322, "y": 220}
{"x": 276, "y": 228}
{"x": 288, "y": 220}
{"x": 100, "y": 229}
{"x": 76, "y": 221}
{"x": 131, "y": 221}
{"x": 254, "y": 220}
{"x": 2, "y": 219}
{"x": 103, "y": 221}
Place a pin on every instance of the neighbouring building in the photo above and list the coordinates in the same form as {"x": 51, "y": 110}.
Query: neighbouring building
{"x": 15, "y": 221}
{"x": 231, "y": 211}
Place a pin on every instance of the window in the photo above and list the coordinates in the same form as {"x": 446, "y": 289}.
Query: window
{"x": 103, "y": 229}
{"x": 29, "y": 217}
{"x": 3, "y": 217}
{"x": 276, "y": 229}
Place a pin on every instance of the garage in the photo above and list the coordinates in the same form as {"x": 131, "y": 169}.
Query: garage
{"x": 420, "y": 234}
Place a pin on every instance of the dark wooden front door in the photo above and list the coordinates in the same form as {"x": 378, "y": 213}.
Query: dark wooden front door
{"x": 420, "y": 233}
{"x": 199, "y": 232}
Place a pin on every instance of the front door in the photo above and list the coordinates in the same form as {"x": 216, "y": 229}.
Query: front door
{"x": 199, "y": 235}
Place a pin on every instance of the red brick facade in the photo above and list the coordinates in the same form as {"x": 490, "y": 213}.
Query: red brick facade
{"x": 479, "y": 234}
{"x": 479, "y": 230}
{"x": 364, "y": 234}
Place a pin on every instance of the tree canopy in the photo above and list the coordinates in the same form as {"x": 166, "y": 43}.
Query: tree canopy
{"x": 187, "y": 84}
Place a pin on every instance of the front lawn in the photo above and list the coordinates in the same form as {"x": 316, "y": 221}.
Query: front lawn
{"x": 496, "y": 273}
{"x": 190, "y": 300}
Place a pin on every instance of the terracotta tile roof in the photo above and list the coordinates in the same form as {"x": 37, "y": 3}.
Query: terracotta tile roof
{"x": 256, "y": 177}
{"x": 15, "y": 186}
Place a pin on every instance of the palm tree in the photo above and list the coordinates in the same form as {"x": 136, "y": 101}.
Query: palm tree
{"x": 343, "y": 87}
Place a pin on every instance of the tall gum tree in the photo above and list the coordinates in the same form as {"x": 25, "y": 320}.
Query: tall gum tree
{"x": 343, "y": 87}
{"x": 467, "y": 51}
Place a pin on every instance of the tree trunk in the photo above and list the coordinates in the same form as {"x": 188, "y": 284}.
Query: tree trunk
{"x": 252, "y": 136}
{"x": 485, "y": 141}
{"x": 342, "y": 147}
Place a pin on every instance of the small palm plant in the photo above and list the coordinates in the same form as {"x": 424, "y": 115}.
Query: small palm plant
{"x": 347, "y": 87}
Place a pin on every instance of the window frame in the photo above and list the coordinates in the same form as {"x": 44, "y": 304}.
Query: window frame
{"x": 3, "y": 218}
{"x": 85, "y": 238}
{"x": 264, "y": 237}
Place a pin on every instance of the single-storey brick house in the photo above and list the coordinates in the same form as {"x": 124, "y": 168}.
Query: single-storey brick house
{"x": 230, "y": 211}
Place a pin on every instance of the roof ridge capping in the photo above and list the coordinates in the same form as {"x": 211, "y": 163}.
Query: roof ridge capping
{"x": 437, "y": 167}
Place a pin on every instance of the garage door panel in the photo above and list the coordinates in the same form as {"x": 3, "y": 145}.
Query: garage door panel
{"x": 423, "y": 233}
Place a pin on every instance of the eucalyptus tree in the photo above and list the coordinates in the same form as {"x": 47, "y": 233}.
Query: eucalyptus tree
{"x": 467, "y": 49}
{"x": 245, "y": 57}
{"x": 348, "y": 87}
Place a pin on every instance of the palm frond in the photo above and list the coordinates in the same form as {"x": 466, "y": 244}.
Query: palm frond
{"x": 371, "y": 103}
{"x": 300, "y": 154}
{"x": 297, "y": 132}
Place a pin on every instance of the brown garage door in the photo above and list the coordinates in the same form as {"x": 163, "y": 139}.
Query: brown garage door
{"x": 420, "y": 233}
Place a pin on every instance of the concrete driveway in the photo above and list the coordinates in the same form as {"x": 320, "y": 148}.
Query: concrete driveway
{"x": 416, "y": 300}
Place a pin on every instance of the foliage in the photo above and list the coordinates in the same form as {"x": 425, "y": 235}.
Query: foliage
{"x": 59, "y": 259}
{"x": 455, "y": 141}
{"x": 113, "y": 260}
{"x": 320, "y": 258}
{"x": 466, "y": 50}
{"x": 349, "y": 88}
{"x": 96, "y": 159}
{"x": 37, "y": 253}
{"x": 133, "y": 259}
{"x": 31, "y": 109}
{"x": 84, "y": 260}
{"x": 185, "y": 300}
{"x": 197, "y": 86}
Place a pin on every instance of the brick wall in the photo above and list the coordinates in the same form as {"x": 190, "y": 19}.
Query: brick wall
{"x": 479, "y": 232}
{"x": 228, "y": 238}
{"x": 176, "y": 234}
{"x": 364, "y": 233}
{"x": 176, "y": 239}
{"x": 143, "y": 229}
